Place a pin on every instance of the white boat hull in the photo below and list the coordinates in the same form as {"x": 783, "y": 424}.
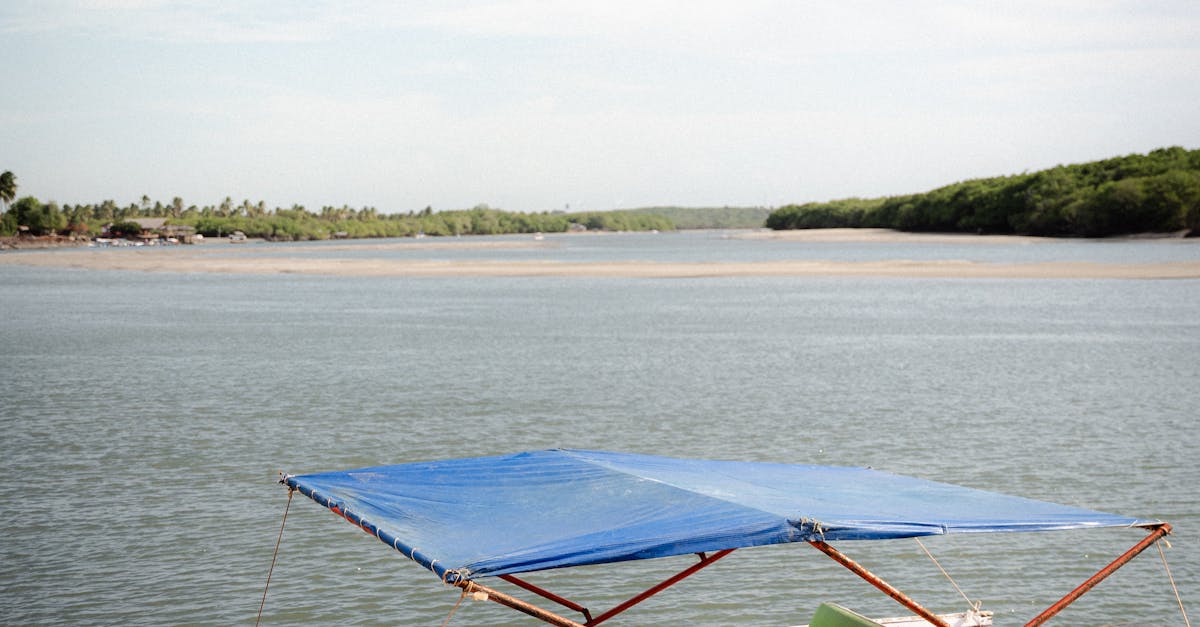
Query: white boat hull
{"x": 958, "y": 619}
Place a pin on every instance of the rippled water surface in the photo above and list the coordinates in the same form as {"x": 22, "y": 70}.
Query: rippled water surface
{"x": 146, "y": 416}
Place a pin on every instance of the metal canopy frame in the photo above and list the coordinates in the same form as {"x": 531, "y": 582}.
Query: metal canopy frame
{"x": 1157, "y": 531}
{"x": 471, "y": 587}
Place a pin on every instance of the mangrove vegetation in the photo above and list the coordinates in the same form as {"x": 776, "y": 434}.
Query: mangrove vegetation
{"x": 1158, "y": 192}
{"x": 710, "y": 217}
{"x": 31, "y": 216}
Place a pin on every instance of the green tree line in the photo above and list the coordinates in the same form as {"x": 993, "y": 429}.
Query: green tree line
{"x": 1158, "y": 192}
{"x": 710, "y": 217}
{"x": 298, "y": 223}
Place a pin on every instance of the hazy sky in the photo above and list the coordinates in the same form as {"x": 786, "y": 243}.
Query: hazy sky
{"x": 533, "y": 106}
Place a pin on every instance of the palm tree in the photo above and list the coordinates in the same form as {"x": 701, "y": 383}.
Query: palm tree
{"x": 8, "y": 187}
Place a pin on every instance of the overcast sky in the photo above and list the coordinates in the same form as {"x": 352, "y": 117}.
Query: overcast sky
{"x": 534, "y": 106}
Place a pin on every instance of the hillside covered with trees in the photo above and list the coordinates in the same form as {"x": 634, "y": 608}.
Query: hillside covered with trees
{"x": 1157, "y": 192}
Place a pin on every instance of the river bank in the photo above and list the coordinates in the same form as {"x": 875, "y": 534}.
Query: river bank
{"x": 508, "y": 257}
{"x": 40, "y": 242}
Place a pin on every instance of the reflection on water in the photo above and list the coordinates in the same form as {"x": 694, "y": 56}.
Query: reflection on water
{"x": 146, "y": 416}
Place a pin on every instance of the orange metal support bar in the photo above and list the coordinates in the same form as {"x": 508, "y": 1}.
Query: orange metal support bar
{"x": 874, "y": 580}
{"x": 1158, "y": 531}
{"x": 542, "y": 592}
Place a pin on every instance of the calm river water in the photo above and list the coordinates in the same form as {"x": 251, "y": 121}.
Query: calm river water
{"x": 146, "y": 416}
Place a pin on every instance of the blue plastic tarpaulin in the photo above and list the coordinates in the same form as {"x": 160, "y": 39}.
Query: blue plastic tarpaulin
{"x": 487, "y": 516}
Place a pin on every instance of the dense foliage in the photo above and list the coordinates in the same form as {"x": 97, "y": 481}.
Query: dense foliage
{"x": 1155, "y": 192}
{"x": 297, "y": 223}
{"x": 710, "y": 217}
{"x": 32, "y": 214}
{"x": 625, "y": 220}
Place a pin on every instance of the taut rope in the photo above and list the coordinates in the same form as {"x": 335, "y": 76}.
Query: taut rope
{"x": 278, "y": 540}
{"x": 455, "y": 608}
{"x": 1172, "y": 580}
{"x": 971, "y": 604}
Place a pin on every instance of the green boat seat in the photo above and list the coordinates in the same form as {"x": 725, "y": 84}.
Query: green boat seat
{"x": 834, "y": 615}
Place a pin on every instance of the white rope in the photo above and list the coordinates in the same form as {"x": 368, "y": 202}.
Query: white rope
{"x": 1171, "y": 578}
{"x": 455, "y": 608}
{"x": 971, "y": 604}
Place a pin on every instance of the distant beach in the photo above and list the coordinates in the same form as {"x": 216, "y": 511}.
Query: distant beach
{"x": 258, "y": 258}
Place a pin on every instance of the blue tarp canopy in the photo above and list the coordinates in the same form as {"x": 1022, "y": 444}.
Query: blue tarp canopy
{"x": 467, "y": 518}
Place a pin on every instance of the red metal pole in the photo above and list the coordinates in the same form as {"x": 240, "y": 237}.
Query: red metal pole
{"x": 554, "y": 619}
{"x": 1159, "y": 531}
{"x": 546, "y": 594}
{"x": 874, "y": 580}
{"x": 705, "y": 560}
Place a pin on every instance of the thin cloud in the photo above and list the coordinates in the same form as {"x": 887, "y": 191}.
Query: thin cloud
{"x": 530, "y": 104}
{"x": 762, "y": 30}
{"x": 173, "y": 22}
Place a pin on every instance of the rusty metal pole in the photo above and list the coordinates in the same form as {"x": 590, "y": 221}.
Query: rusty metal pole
{"x": 705, "y": 560}
{"x": 1158, "y": 531}
{"x": 517, "y": 604}
{"x": 874, "y": 580}
{"x": 554, "y": 619}
{"x": 546, "y": 594}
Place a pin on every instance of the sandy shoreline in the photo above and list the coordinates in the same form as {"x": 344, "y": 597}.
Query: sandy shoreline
{"x": 190, "y": 262}
{"x": 265, "y": 259}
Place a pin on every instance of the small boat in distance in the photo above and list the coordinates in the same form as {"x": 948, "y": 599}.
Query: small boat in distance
{"x": 467, "y": 520}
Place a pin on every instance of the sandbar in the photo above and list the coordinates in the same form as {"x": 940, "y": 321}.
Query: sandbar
{"x": 200, "y": 259}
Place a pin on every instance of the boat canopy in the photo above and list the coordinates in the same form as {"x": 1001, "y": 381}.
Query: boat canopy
{"x": 491, "y": 516}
